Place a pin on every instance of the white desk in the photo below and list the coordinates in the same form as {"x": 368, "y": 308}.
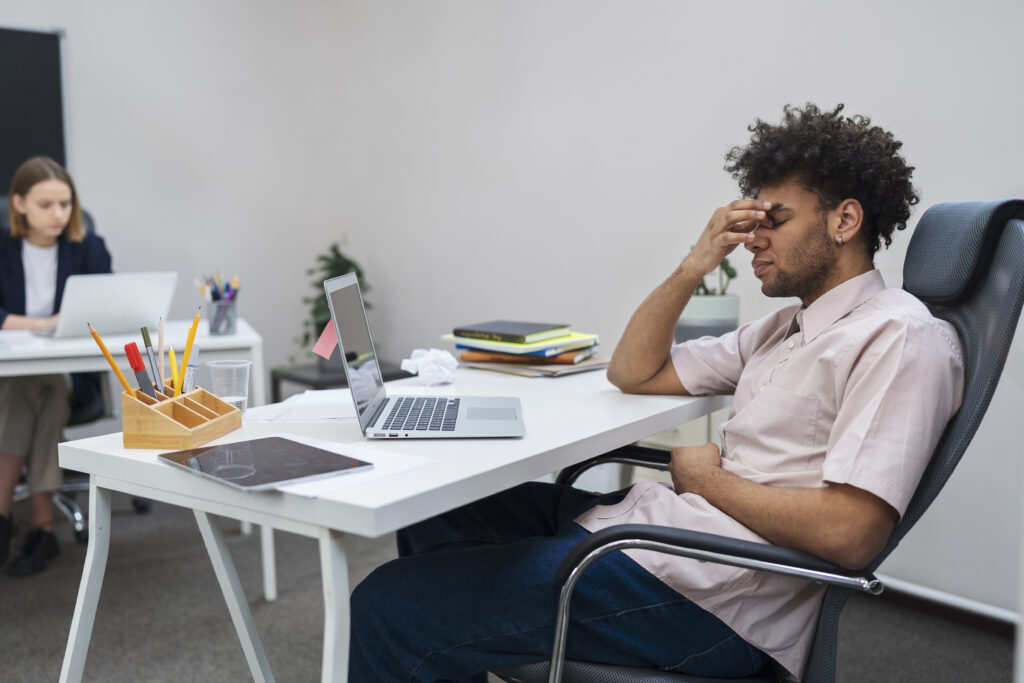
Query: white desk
{"x": 23, "y": 353}
{"x": 567, "y": 420}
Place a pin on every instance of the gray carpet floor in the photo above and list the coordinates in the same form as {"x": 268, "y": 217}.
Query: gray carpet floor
{"x": 161, "y": 616}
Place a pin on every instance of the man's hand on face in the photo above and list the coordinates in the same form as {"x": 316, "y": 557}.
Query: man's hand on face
{"x": 690, "y": 466}
{"x": 729, "y": 227}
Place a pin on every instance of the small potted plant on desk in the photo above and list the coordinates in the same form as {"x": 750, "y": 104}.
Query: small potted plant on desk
{"x": 333, "y": 263}
{"x": 711, "y": 311}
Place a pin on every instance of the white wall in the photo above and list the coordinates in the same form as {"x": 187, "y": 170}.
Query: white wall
{"x": 202, "y": 139}
{"x": 525, "y": 158}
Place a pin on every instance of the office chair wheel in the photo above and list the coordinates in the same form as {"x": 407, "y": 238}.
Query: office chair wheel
{"x": 141, "y": 505}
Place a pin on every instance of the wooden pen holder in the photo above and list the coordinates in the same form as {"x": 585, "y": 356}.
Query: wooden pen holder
{"x": 180, "y": 422}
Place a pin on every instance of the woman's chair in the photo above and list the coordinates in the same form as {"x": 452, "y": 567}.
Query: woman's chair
{"x": 965, "y": 261}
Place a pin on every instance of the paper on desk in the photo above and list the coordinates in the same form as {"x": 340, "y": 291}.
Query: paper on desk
{"x": 384, "y": 465}
{"x": 19, "y": 340}
{"x": 311, "y": 406}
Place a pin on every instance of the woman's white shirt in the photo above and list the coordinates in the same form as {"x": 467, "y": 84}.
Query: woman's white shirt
{"x": 40, "y": 264}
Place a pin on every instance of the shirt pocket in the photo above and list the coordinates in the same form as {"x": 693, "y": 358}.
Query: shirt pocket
{"x": 779, "y": 431}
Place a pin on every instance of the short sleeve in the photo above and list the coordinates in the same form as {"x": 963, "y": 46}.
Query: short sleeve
{"x": 713, "y": 365}
{"x": 896, "y": 391}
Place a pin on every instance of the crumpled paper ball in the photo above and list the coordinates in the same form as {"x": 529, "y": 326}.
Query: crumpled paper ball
{"x": 434, "y": 366}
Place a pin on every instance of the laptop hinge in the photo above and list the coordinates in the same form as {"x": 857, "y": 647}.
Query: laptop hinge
{"x": 376, "y": 415}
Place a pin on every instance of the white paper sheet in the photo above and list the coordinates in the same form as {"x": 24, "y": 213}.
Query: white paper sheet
{"x": 311, "y": 406}
{"x": 384, "y": 465}
{"x": 21, "y": 340}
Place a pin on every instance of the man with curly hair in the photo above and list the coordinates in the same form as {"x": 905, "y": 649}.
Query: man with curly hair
{"x": 839, "y": 401}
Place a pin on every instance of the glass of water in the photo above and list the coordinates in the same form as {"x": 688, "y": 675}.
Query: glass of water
{"x": 229, "y": 381}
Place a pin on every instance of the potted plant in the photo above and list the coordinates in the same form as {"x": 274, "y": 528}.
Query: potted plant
{"x": 710, "y": 311}
{"x": 331, "y": 263}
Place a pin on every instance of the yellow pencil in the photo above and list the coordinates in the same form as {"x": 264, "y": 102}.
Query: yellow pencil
{"x": 188, "y": 350}
{"x": 110, "y": 359}
{"x": 174, "y": 366}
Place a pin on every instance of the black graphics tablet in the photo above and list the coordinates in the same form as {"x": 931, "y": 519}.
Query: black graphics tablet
{"x": 263, "y": 464}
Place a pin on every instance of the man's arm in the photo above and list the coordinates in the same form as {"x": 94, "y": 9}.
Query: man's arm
{"x": 641, "y": 363}
{"x": 838, "y": 522}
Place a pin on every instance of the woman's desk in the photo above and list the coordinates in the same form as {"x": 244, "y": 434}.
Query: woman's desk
{"x": 567, "y": 420}
{"x": 24, "y": 353}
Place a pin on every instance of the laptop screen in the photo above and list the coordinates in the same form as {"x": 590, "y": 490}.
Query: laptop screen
{"x": 356, "y": 345}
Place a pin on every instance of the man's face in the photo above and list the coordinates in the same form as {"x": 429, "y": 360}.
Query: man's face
{"x": 793, "y": 255}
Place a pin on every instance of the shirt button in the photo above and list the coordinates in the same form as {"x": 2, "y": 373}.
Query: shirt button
{"x": 789, "y": 343}
{"x": 761, "y": 388}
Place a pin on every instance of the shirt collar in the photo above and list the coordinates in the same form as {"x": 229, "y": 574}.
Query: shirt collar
{"x": 838, "y": 301}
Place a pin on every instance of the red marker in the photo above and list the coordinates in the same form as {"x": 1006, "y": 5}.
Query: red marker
{"x": 135, "y": 360}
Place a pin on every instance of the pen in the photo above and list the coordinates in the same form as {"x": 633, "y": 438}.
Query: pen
{"x": 153, "y": 367}
{"x": 174, "y": 366}
{"x": 135, "y": 360}
{"x": 203, "y": 289}
{"x": 188, "y": 350}
{"x": 110, "y": 359}
{"x": 160, "y": 350}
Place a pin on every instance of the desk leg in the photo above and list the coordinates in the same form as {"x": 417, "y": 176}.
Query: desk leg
{"x": 267, "y": 553}
{"x": 269, "y": 567}
{"x": 334, "y": 568}
{"x": 227, "y": 576}
{"x": 89, "y": 588}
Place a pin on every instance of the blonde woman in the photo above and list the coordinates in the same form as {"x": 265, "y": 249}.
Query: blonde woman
{"x": 46, "y": 243}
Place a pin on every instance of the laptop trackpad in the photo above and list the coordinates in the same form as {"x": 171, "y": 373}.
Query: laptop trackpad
{"x": 486, "y": 413}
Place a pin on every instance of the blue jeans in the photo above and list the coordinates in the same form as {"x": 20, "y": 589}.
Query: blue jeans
{"x": 474, "y": 590}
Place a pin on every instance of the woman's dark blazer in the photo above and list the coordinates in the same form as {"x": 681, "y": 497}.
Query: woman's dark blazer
{"x": 73, "y": 258}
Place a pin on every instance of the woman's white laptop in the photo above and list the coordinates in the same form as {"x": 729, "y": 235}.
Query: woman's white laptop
{"x": 407, "y": 417}
{"x": 114, "y": 303}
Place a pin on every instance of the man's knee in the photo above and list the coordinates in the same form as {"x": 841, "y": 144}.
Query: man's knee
{"x": 370, "y": 601}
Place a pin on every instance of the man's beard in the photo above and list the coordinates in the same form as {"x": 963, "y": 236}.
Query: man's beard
{"x": 809, "y": 267}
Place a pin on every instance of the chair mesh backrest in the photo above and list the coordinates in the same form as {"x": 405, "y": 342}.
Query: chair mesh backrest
{"x": 966, "y": 263}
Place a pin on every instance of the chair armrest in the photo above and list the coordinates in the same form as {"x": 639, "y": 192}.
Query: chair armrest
{"x": 640, "y": 456}
{"x": 713, "y": 548}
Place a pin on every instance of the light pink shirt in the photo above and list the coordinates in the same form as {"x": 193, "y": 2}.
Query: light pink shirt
{"x": 855, "y": 389}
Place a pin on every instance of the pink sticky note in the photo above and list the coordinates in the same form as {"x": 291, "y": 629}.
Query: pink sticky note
{"x": 328, "y": 340}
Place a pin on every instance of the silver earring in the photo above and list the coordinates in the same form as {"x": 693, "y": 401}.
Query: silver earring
{"x": 839, "y": 240}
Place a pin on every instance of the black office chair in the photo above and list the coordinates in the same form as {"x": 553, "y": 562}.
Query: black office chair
{"x": 966, "y": 262}
{"x": 82, "y": 412}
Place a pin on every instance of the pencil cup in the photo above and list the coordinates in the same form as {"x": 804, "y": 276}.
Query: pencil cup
{"x": 229, "y": 381}
{"x": 223, "y": 316}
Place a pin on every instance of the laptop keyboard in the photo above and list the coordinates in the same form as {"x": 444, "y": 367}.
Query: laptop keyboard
{"x": 412, "y": 413}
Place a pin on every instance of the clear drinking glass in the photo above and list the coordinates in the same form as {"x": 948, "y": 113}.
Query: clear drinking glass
{"x": 229, "y": 381}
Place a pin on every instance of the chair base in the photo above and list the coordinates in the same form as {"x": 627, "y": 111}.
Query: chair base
{"x": 64, "y": 500}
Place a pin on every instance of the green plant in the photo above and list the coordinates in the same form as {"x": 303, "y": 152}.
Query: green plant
{"x": 330, "y": 264}
{"x": 726, "y": 273}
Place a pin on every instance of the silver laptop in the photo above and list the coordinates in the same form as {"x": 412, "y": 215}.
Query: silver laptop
{"x": 407, "y": 417}
{"x": 114, "y": 303}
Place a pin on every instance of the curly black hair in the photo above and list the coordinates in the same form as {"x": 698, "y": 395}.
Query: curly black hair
{"x": 836, "y": 157}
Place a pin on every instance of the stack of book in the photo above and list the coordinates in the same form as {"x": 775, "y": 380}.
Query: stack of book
{"x": 524, "y": 348}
